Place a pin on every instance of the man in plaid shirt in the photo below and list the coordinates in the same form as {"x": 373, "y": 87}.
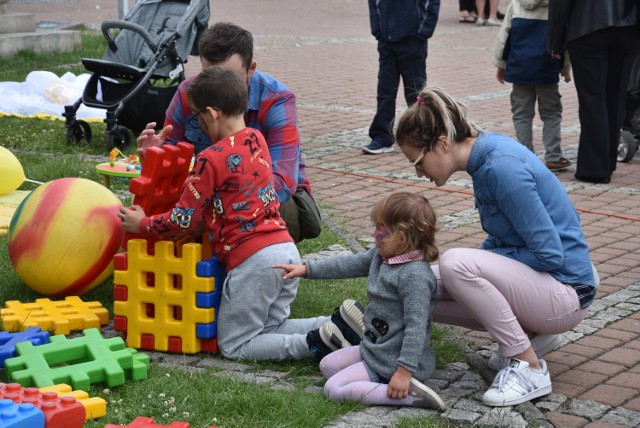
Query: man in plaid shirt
{"x": 271, "y": 110}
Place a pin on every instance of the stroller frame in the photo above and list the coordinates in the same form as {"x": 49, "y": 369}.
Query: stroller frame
{"x": 165, "y": 58}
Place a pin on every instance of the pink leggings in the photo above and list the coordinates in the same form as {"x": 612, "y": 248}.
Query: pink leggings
{"x": 348, "y": 380}
{"x": 485, "y": 291}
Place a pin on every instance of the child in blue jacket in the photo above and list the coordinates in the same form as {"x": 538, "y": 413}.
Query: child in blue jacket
{"x": 522, "y": 59}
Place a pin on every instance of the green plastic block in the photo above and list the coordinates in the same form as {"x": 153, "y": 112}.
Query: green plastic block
{"x": 79, "y": 362}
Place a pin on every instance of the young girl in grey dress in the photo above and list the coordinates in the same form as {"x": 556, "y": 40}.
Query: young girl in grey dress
{"x": 394, "y": 357}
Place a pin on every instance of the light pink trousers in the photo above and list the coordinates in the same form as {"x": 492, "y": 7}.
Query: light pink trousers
{"x": 489, "y": 292}
{"x": 349, "y": 380}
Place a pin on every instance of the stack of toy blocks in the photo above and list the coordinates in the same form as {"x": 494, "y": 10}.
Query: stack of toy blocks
{"x": 164, "y": 302}
{"x": 58, "y": 412}
{"x": 166, "y": 294}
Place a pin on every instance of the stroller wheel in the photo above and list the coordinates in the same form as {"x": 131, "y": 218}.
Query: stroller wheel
{"x": 79, "y": 133}
{"x": 627, "y": 146}
{"x": 119, "y": 138}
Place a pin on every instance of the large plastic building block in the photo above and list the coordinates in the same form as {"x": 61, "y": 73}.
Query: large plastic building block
{"x": 161, "y": 303}
{"x": 95, "y": 407}
{"x": 59, "y": 412}
{"x": 8, "y": 341}
{"x": 24, "y": 415}
{"x": 61, "y": 316}
{"x": 79, "y": 362}
{"x": 144, "y": 422}
{"x": 159, "y": 185}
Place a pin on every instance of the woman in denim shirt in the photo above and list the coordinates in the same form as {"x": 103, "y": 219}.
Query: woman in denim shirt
{"x": 532, "y": 279}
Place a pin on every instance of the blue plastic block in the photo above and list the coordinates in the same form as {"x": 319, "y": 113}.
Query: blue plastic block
{"x": 24, "y": 415}
{"x": 8, "y": 341}
{"x": 211, "y": 268}
{"x": 207, "y": 331}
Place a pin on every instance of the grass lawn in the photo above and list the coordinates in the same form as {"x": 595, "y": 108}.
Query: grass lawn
{"x": 202, "y": 395}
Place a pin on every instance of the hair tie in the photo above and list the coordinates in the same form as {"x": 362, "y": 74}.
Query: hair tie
{"x": 420, "y": 100}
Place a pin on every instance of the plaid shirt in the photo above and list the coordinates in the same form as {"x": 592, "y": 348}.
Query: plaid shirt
{"x": 272, "y": 111}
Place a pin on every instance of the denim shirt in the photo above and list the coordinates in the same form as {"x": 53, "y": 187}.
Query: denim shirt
{"x": 526, "y": 211}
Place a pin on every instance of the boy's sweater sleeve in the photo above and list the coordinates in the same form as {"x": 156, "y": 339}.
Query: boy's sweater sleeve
{"x": 349, "y": 266}
{"x": 186, "y": 218}
{"x": 500, "y": 59}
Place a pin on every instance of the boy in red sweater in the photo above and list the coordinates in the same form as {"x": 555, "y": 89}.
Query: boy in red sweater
{"x": 230, "y": 193}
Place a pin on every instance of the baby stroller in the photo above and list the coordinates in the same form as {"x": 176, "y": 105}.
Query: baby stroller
{"x": 630, "y": 133}
{"x": 140, "y": 71}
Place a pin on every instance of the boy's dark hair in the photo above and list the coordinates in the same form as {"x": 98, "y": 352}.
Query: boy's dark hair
{"x": 224, "y": 39}
{"x": 220, "y": 88}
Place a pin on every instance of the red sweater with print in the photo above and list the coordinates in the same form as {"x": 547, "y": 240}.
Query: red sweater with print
{"x": 230, "y": 193}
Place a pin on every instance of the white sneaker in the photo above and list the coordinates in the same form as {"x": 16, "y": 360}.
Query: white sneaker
{"x": 542, "y": 344}
{"x": 425, "y": 397}
{"x": 518, "y": 383}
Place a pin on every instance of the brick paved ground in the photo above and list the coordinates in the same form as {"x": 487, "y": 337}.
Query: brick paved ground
{"x": 324, "y": 52}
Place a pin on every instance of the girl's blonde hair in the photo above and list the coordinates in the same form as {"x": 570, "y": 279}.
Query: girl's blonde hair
{"x": 434, "y": 114}
{"x": 413, "y": 216}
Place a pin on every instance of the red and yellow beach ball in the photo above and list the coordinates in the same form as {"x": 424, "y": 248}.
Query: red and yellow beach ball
{"x": 64, "y": 235}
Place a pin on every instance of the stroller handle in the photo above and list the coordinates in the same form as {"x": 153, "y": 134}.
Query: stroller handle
{"x": 125, "y": 25}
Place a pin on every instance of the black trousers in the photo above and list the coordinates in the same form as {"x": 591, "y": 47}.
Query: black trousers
{"x": 407, "y": 59}
{"x": 601, "y": 63}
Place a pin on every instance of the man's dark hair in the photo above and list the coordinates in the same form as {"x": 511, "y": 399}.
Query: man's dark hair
{"x": 220, "y": 88}
{"x": 224, "y": 39}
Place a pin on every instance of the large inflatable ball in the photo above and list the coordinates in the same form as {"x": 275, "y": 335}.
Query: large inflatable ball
{"x": 63, "y": 236}
{"x": 11, "y": 172}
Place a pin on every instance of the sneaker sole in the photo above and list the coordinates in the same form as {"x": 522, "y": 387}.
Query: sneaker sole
{"x": 378, "y": 151}
{"x": 332, "y": 336}
{"x": 523, "y": 399}
{"x": 425, "y": 390}
{"x": 352, "y": 313}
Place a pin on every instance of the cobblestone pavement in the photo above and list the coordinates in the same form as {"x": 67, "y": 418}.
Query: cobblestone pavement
{"x": 324, "y": 52}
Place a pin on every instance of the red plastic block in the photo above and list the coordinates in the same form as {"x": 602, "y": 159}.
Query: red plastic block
{"x": 62, "y": 412}
{"x": 59, "y": 412}
{"x": 159, "y": 185}
{"x": 144, "y": 422}
{"x": 120, "y": 261}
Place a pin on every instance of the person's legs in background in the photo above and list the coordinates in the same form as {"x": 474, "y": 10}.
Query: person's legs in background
{"x": 623, "y": 49}
{"x": 550, "y": 110}
{"x": 388, "y": 83}
{"x": 589, "y": 59}
{"x": 412, "y": 60}
{"x": 523, "y": 102}
{"x": 468, "y": 13}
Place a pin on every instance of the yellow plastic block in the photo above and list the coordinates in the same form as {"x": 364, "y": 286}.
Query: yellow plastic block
{"x": 162, "y": 310}
{"x": 95, "y": 407}
{"x": 59, "y": 317}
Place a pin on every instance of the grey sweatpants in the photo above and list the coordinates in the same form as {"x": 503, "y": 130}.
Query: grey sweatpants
{"x": 523, "y": 102}
{"x": 253, "y": 319}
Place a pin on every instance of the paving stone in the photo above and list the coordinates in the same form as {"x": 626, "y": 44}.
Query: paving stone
{"x": 586, "y": 409}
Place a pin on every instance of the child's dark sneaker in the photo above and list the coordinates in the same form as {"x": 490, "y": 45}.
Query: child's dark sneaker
{"x": 349, "y": 319}
{"x": 425, "y": 397}
{"x": 325, "y": 340}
